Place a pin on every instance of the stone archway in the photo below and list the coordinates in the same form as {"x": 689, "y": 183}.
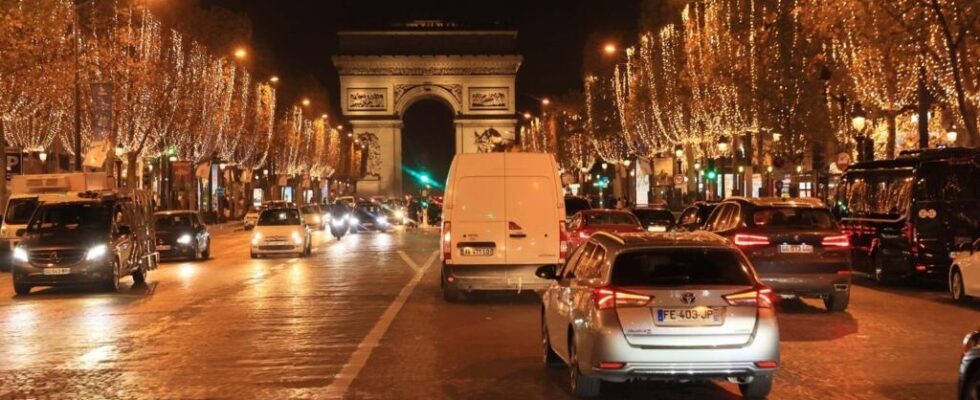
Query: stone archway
{"x": 384, "y": 72}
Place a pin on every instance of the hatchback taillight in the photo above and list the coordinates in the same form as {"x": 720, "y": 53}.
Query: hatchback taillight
{"x": 447, "y": 252}
{"x": 836, "y": 241}
{"x": 742, "y": 239}
{"x": 608, "y": 298}
{"x": 756, "y": 297}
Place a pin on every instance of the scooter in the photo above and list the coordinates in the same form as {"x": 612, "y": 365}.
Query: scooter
{"x": 338, "y": 226}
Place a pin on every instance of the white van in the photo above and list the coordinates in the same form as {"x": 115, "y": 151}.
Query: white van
{"x": 504, "y": 216}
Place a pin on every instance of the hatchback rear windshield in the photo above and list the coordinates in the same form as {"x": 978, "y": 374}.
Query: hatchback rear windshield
{"x": 793, "y": 217}
{"x": 651, "y": 216}
{"x": 279, "y": 217}
{"x": 310, "y": 210}
{"x": 679, "y": 267}
{"x": 610, "y": 218}
{"x": 19, "y": 211}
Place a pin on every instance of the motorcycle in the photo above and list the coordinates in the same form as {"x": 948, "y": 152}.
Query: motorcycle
{"x": 338, "y": 226}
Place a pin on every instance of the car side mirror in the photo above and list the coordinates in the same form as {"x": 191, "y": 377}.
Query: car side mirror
{"x": 546, "y": 272}
{"x": 124, "y": 230}
{"x": 20, "y": 232}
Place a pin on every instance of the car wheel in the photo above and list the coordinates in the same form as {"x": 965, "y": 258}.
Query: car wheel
{"x": 451, "y": 292}
{"x": 878, "y": 274}
{"x": 22, "y": 290}
{"x": 206, "y": 254}
{"x": 971, "y": 388}
{"x": 112, "y": 284}
{"x": 956, "y": 287}
{"x": 254, "y": 256}
{"x": 196, "y": 253}
{"x": 759, "y": 388}
{"x": 837, "y": 301}
{"x": 139, "y": 276}
{"x": 551, "y": 358}
{"x": 581, "y": 385}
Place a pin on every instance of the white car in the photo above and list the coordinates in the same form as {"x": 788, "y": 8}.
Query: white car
{"x": 251, "y": 217}
{"x": 313, "y": 216}
{"x": 504, "y": 217}
{"x": 280, "y": 231}
{"x": 964, "y": 274}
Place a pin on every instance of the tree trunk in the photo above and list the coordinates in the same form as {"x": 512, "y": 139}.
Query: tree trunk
{"x": 3, "y": 162}
{"x": 925, "y": 102}
{"x": 892, "y": 132}
{"x": 952, "y": 50}
{"x": 131, "y": 160}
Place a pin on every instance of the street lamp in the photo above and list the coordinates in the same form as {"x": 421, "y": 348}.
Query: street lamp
{"x": 722, "y": 149}
{"x": 859, "y": 122}
{"x": 609, "y": 48}
{"x": 42, "y": 156}
{"x": 306, "y": 102}
{"x": 527, "y": 115}
{"x": 274, "y": 79}
{"x": 241, "y": 53}
{"x": 545, "y": 102}
{"x": 951, "y": 137}
{"x": 679, "y": 152}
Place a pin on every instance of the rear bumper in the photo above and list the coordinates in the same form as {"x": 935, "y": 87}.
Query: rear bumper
{"x": 494, "y": 277}
{"x": 681, "y": 363}
{"x": 815, "y": 285}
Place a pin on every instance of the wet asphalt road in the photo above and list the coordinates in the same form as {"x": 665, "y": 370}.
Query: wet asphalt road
{"x": 363, "y": 319}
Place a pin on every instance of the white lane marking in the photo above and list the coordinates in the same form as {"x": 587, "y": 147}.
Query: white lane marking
{"x": 408, "y": 260}
{"x": 359, "y": 358}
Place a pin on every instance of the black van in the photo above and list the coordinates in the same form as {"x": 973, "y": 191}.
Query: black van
{"x": 905, "y": 216}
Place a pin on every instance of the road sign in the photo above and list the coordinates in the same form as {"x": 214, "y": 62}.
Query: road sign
{"x": 219, "y": 191}
{"x": 678, "y": 180}
{"x": 15, "y": 162}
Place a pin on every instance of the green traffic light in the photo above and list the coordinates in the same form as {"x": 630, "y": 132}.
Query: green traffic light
{"x": 425, "y": 179}
{"x": 712, "y": 175}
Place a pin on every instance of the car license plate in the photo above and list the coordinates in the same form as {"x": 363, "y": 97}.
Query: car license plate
{"x": 278, "y": 243}
{"x": 796, "y": 248}
{"x": 57, "y": 271}
{"x": 695, "y": 316}
{"x": 476, "y": 251}
{"x": 163, "y": 247}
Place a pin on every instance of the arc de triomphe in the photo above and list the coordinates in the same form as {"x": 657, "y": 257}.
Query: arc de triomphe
{"x": 384, "y": 72}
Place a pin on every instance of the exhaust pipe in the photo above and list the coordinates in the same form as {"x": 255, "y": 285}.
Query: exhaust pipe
{"x": 841, "y": 287}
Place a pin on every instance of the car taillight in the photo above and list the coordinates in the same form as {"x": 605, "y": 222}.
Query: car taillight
{"x": 447, "y": 252}
{"x": 751, "y": 240}
{"x": 563, "y": 241}
{"x": 608, "y": 298}
{"x": 583, "y": 235}
{"x": 836, "y": 241}
{"x": 755, "y": 297}
{"x": 909, "y": 232}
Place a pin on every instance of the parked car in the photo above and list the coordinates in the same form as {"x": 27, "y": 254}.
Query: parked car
{"x": 280, "y": 231}
{"x": 693, "y": 217}
{"x": 251, "y": 217}
{"x": 964, "y": 274}
{"x": 504, "y": 217}
{"x": 655, "y": 219}
{"x": 585, "y": 223}
{"x": 277, "y": 204}
{"x": 368, "y": 216}
{"x": 907, "y": 216}
{"x": 678, "y": 307}
{"x": 313, "y": 216}
{"x": 182, "y": 234}
{"x": 93, "y": 240}
{"x": 794, "y": 245}
{"x": 969, "y": 385}
{"x": 573, "y": 205}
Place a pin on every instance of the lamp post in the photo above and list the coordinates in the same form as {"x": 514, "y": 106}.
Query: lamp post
{"x": 678, "y": 156}
{"x": 859, "y": 122}
{"x": 722, "y": 149}
{"x": 697, "y": 178}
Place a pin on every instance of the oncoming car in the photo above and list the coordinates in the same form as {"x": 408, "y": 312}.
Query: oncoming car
{"x": 280, "y": 231}
{"x": 659, "y": 306}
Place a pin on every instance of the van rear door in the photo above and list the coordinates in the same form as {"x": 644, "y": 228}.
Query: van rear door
{"x": 533, "y": 219}
{"x": 478, "y": 221}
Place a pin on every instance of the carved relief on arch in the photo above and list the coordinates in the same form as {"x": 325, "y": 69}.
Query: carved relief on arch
{"x": 405, "y": 94}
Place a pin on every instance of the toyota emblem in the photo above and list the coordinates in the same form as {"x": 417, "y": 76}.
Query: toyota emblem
{"x": 687, "y": 298}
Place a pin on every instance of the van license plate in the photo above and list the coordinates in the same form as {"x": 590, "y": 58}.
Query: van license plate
{"x": 696, "y": 316}
{"x": 476, "y": 251}
{"x": 796, "y": 248}
{"x": 163, "y": 247}
{"x": 57, "y": 271}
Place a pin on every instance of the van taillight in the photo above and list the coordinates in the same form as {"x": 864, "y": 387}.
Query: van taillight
{"x": 563, "y": 238}
{"x": 608, "y": 298}
{"x": 756, "y": 297}
{"x": 909, "y": 232}
{"x": 836, "y": 241}
{"x": 750, "y": 240}
{"x": 447, "y": 252}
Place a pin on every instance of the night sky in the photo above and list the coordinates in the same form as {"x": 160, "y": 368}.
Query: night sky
{"x": 296, "y": 38}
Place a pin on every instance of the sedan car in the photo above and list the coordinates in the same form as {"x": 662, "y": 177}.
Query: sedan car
{"x": 964, "y": 274}
{"x": 693, "y": 217}
{"x": 795, "y": 246}
{"x": 585, "y": 223}
{"x": 280, "y": 231}
{"x": 655, "y": 306}
{"x": 182, "y": 234}
{"x": 368, "y": 216}
{"x": 654, "y": 219}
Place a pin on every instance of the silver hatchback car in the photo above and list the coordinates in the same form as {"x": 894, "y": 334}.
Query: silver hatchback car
{"x": 666, "y": 306}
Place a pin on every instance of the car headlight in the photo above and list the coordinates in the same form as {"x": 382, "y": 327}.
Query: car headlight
{"x": 355, "y": 221}
{"x": 20, "y": 254}
{"x": 381, "y": 220}
{"x": 317, "y": 219}
{"x": 338, "y": 222}
{"x": 184, "y": 239}
{"x": 95, "y": 252}
{"x": 399, "y": 214}
{"x": 256, "y": 238}
{"x": 297, "y": 238}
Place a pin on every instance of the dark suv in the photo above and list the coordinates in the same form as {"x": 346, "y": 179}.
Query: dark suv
{"x": 795, "y": 245}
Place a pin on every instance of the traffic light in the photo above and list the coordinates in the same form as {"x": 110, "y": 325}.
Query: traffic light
{"x": 424, "y": 178}
{"x": 711, "y": 173}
